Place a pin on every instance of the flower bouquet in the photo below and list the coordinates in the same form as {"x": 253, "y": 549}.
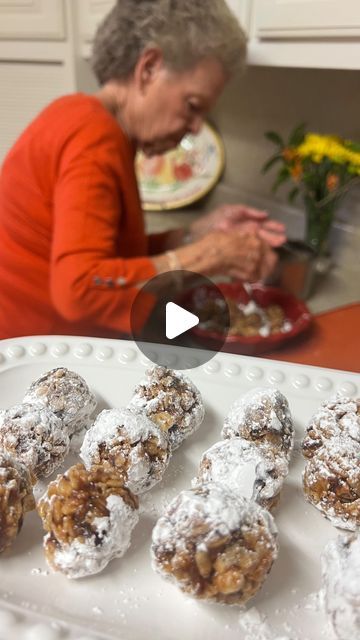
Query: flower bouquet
{"x": 322, "y": 168}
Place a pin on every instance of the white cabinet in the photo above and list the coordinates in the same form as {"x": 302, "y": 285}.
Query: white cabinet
{"x": 323, "y": 34}
{"x": 32, "y": 20}
{"x": 90, "y": 14}
{"x": 307, "y": 18}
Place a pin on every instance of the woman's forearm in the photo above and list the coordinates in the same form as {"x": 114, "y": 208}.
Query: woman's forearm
{"x": 200, "y": 256}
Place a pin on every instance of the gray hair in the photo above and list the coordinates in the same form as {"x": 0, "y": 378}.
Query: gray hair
{"x": 186, "y": 31}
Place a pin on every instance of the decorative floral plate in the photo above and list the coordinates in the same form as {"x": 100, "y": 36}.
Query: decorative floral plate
{"x": 183, "y": 175}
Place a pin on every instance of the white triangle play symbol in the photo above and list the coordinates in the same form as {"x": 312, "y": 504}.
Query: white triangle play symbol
{"x": 178, "y": 320}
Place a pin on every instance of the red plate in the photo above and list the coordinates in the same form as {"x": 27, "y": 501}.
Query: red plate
{"x": 295, "y": 311}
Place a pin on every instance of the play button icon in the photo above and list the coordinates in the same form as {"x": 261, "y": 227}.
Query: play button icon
{"x": 171, "y": 319}
{"x": 178, "y": 320}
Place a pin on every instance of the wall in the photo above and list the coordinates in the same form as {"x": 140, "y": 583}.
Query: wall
{"x": 279, "y": 98}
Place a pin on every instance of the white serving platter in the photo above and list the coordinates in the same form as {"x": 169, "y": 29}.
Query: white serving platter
{"x": 128, "y": 601}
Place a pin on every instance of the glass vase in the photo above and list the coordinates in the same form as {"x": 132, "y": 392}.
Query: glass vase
{"x": 319, "y": 219}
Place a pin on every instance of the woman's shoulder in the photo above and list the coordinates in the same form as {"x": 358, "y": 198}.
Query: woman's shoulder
{"x": 77, "y": 109}
{"x": 78, "y": 120}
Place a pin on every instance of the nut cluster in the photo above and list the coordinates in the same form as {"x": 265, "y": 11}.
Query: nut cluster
{"x": 75, "y": 499}
{"x": 331, "y": 479}
{"x": 16, "y": 498}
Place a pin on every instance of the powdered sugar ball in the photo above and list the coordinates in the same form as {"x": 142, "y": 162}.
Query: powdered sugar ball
{"x": 331, "y": 481}
{"x": 34, "y": 435}
{"x": 339, "y": 415}
{"x": 16, "y": 497}
{"x": 262, "y": 416}
{"x": 341, "y": 584}
{"x": 171, "y": 401}
{"x": 215, "y": 545}
{"x": 67, "y": 395}
{"x": 89, "y": 517}
{"x": 131, "y": 443}
{"x": 242, "y": 468}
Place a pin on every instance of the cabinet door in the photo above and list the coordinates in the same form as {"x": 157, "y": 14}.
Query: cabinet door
{"x": 307, "y": 18}
{"x": 20, "y": 102}
{"x": 32, "y": 20}
{"x": 91, "y": 12}
{"x": 241, "y": 9}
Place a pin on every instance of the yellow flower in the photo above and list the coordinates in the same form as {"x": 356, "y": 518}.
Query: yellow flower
{"x": 317, "y": 147}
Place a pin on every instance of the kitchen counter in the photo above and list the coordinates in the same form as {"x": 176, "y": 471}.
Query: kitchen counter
{"x": 338, "y": 287}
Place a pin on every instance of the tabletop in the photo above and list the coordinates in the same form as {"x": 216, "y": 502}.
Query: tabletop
{"x": 332, "y": 341}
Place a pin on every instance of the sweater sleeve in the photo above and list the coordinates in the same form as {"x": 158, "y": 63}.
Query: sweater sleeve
{"x": 88, "y": 280}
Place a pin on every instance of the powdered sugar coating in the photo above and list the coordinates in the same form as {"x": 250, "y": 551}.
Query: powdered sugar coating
{"x": 331, "y": 481}
{"x": 170, "y": 400}
{"x": 67, "y": 395}
{"x": 214, "y": 545}
{"x": 341, "y": 583}
{"x": 241, "y": 467}
{"x": 262, "y": 416}
{"x": 110, "y": 538}
{"x": 132, "y": 443}
{"x": 336, "y": 416}
{"x": 34, "y": 435}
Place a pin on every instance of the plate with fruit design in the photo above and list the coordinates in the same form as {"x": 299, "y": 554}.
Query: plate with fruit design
{"x": 183, "y": 175}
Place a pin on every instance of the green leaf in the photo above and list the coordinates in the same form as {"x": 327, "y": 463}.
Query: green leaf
{"x": 293, "y": 193}
{"x": 282, "y": 177}
{"x": 297, "y": 135}
{"x": 353, "y": 146}
{"x": 275, "y": 138}
{"x": 270, "y": 162}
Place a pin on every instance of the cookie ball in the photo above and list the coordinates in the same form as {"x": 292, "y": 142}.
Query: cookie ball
{"x": 34, "y": 435}
{"x": 263, "y": 417}
{"x": 242, "y": 468}
{"x": 171, "y": 401}
{"x": 132, "y": 444}
{"x": 16, "y": 497}
{"x": 341, "y": 585}
{"x": 67, "y": 395}
{"x": 335, "y": 417}
{"x": 331, "y": 482}
{"x": 214, "y": 545}
{"x": 89, "y": 517}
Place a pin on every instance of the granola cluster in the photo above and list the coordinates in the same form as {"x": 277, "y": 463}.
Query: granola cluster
{"x": 132, "y": 444}
{"x": 214, "y": 545}
{"x": 262, "y": 416}
{"x": 341, "y": 585}
{"x": 171, "y": 401}
{"x": 89, "y": 516}
{"x": 67, "y": 395}
{"x": 16, "y": 497}
{"x": 331, "y": 479}
{"x": 243, "y": 468}
{"x": 35, "y": 435}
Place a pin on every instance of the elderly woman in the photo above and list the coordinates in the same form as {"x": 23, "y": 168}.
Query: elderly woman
{"x": 73, "y": 246}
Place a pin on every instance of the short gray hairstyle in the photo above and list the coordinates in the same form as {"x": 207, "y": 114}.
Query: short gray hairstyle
{"x": 186, "y": 31}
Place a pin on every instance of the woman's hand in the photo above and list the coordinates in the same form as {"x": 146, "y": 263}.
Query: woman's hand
{"x": 244, "y": 256}
{"x": 242, "y": 218}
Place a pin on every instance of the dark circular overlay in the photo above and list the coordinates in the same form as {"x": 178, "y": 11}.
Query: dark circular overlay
{"x": 191, "y": 292}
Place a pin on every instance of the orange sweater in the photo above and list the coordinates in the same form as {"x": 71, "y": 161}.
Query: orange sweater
{"x": 72, "y": 241}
